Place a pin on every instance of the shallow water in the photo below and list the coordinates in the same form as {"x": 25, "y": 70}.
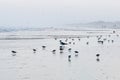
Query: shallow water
{"x": 44, "y": 65}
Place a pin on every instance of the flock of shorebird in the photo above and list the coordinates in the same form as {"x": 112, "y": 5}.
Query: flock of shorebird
{"x": 62, "y": 45}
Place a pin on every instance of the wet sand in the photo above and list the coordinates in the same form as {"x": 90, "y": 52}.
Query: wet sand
{"x": 43, "y": 64}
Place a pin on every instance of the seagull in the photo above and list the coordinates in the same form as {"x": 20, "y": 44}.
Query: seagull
{"x": 69, "y": 49}
{"x": 69, "y": 56}
{"x": 13, "y": 51}
{"x": 97, "y": 55}
{"x": 76, "y": 51}
{"x": 43, "y": 47}
{"x": 54, "y": 51}
{"x": 62, "y": 43}
{"x": 61, "y": 47}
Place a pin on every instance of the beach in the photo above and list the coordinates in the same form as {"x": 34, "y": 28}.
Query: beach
{"x": 47, "y": 62}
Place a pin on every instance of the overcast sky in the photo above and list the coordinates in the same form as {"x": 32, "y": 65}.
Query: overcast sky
{"x": 57, "y": 12}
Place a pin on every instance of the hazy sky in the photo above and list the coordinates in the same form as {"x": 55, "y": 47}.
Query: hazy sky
{"x": 57, "y": 12}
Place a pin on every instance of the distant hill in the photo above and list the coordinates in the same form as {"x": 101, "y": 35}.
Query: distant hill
{"x": 98, "y": 25}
